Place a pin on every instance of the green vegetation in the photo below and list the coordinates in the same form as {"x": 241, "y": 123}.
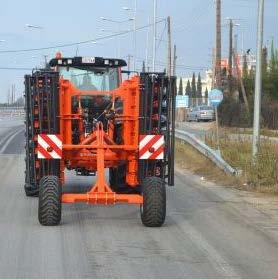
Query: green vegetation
{"x": 180, "y": 91}
{"x": 193, "y": 90}
{"x": 199, "y": 86}
{"x": 262, "y": 177}
{"x": 232, "y": 111}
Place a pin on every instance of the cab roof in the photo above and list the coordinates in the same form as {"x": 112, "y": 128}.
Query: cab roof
{"x": 88, "y": 61}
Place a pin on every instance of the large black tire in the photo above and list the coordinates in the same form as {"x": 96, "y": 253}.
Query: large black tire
{"x": 50, "y": 204}
{"x": 31, "y": 191}
{"x": 153, "y": 209}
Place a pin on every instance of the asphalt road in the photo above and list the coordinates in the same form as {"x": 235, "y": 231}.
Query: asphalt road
{"x": 210, "y": 232}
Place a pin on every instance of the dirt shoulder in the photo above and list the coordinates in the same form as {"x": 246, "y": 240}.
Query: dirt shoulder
{"x": 260, "y": 178}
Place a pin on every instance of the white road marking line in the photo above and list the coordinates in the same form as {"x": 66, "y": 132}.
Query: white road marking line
{"x": 11, "y": 137}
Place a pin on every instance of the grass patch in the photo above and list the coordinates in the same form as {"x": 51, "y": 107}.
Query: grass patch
{"x": 249, "y": 131}
{"x": 261, "y": 177}
{"x": 189, "y": 158}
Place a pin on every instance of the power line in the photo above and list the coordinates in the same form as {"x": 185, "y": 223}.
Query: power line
{"x": 15, "y": 68}
{"x": 82, "y": 42}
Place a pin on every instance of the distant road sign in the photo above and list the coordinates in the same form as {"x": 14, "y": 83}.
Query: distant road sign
{"x": 215, "y": 97}
{"x": 182, "y": 101}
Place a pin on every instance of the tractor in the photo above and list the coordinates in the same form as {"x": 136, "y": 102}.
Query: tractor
{"x": 89, "y": 116}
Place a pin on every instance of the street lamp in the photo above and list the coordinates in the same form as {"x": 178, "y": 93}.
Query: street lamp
{"x": 116, "y": 21}
{"x": 126, "y": 8}
{"x": 33, "y": 26}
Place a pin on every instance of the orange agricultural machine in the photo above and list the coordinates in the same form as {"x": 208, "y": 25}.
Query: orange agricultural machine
{"x": 81, "y": 116}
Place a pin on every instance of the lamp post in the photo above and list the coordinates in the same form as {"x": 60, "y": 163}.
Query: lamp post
{"x": 118, "y": 22}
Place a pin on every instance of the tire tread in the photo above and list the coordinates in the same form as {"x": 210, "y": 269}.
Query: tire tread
{"x": 154, "y": 205}
{"x": 50, "y": 208}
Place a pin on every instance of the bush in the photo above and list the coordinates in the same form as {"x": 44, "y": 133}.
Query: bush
{"x": 233, "y": 114}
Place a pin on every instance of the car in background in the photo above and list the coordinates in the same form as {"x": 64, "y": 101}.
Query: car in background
{"x": 201, "y": 113}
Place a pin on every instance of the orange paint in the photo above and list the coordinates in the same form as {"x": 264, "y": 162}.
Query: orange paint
{"x": 98, "y": 150}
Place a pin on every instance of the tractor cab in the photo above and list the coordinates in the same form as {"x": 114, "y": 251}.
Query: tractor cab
{"x": 90, "y": 74}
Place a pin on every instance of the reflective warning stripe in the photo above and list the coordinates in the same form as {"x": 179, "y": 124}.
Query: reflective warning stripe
{"x": 49, "y": 146}
{"x": 151, "y": 147}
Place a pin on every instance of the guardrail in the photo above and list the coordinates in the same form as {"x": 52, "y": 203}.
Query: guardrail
{"x": 206, "y": 151}
{"x": 11, "y": 112}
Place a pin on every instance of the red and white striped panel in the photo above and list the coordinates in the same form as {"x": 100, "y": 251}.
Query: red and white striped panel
{"x": 151, "y": 147}
{"x": 49, "y": 146}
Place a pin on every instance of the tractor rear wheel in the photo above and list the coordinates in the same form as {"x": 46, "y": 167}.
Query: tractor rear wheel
{"x": 153, "y": 209}
{"x": 50, "y": 204}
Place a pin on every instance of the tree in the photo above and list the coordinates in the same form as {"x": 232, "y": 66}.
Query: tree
{"x": 193, "y": 90}
{"x": 180, "y": 91}
{"x": 199, "y": 87}
{"x": 188, "y": 89}
{"x": 245, "y": 67}
{"x": 206, "y": 95}
{"x": 264, "y": 60}
{"x": 273, "y": 57}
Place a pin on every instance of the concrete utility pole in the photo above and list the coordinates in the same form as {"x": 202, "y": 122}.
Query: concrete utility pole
{"x": 218, "y": 46}
{"x": 147, "y": 47}
{"x": 154, "y": 33}
{"x": 213, "y": 69}
{"x": 169, "y": 68}
{"x": 134, "y": 36}
{"x": 128, "y": 62}
{"x": 175, "y": 61}
{"x": 258, "y": 82}
{"x": 231, "y": 24}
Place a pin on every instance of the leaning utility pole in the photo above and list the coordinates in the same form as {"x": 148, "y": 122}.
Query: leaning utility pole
{"x": 239, "y": 76}
{"x": 169, "y": 64}
{"x": 258, "y": 82}
{"x": 218, "y": 46}
{"x": 154, "y": 33}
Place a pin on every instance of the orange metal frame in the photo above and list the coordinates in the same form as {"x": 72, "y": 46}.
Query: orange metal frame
{"x": 98, "y": 151}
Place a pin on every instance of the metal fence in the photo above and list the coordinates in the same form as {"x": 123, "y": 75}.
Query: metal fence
{"x": 11, "y": 112}
{"x": 208, "y": 152}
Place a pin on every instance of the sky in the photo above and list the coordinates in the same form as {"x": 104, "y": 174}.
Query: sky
{"x": 66, "y": 22}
